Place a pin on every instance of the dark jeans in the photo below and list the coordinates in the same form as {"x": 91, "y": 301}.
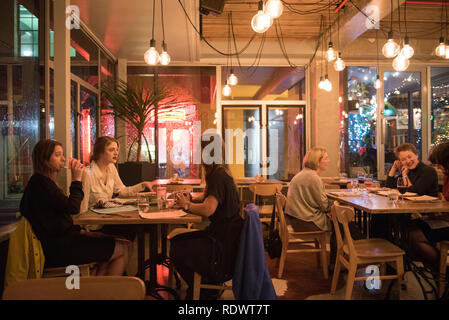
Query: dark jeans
{"x": 119, "y": 231}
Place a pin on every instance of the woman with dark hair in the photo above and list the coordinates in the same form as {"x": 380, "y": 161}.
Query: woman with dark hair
{"x": 101, "y": 180}
{"x": 212, "y": 251}
{"x": 50, "y": 211}
{"x": 426, "y": 232}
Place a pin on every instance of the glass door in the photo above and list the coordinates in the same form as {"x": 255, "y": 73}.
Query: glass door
{"x": 404, "y": 115}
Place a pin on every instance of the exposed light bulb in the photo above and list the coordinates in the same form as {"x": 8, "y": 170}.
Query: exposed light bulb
{"x": 407, "y": 51}
{"x": 320, "y": 84}
{"x": 262, "y": 20}
{"x": 164, "y": 58}
{"x": 327, "y": 85}
{"x": 331, "y": 54}
{"x": 390, "y": 48}
{"x": 440, "y": 50}
{"x": 232, "y": 79}
{"x": 151, "y": 56}
{"x": 377, "y": 83}
{"x": 339, "y": 64}
{"x": 274, "y": 8}
{"x": 226, "y": 89}
{"x": 400, "y": 63}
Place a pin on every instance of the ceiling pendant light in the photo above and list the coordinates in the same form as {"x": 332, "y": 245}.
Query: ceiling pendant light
{"x": 440, "y": 50}
{"x": 339, "y": 64}
{"x": 151, "y": 56}
{"x": 262, "y": 20}
{"x": 321, "y": 83}
{"x": 274, "y": 8}
{"x": 164, "y": 57}
{"x": 232, "y": 79}
{"x": 327, "y": 85}
{"x": 377, "y": 83}
{"x": 407, "y": 51}
{"x": 400, "y": 63}
{"x": 226, "y": 89}
{"x": 390, "y": 48}
{"x": 330, "y": 53}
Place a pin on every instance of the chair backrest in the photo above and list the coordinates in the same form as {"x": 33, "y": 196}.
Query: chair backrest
{"x": 90, "y": 288}
{"x": 179, "y": 188}
{"x": 264, "y": 189}
{"x": 283, "y": 231}
{"x": 343, "y": 215}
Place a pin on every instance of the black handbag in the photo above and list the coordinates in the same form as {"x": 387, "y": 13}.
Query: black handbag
{"x": 273, "y": 243}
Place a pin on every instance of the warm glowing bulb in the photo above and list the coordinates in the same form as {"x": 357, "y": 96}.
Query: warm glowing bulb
{"x": 331, "y": 54}
{"x": 262, "y": 20}
{"x": 440, "y": 50}
{"x": 377, "y": 83}
{"x": 226, "y": 90}
{"x": 274, "y": 8}
{"x": 233, "y": 80}
{"x": 151, "y": 56}
{"x": 407, "y": 51}
{"x": 320, "y": 84}
{"x": 446, "y": 52}
{"x": 339, "y": 65}
{"x": 164, "y": 58}
{"x": 391, "y": 48}
{"x": 327, "y": 85}
{"x": 400, "y": 63}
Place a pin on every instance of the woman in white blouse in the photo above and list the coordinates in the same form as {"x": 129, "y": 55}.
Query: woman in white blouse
{"x": 101, "y": 179}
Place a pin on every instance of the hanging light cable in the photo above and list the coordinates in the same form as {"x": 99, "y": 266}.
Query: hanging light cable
{"x": 391, "y": 48}
{"x": 377, "y": 83}
{"x": 446, "y": 50}
{"x": 407, "y": 51}
{"x": 164, "y": 57}
{"x": 321, "y": 83}
{"x": 232, "y": 79}
{"x": 227, "y": 89}
{"x": 151, "y": 56}
{"x": 401, "y": 62}
{"x": 440, "y": 50}
{"x": 339, "y": 64}
{"x": 331, "y": 54}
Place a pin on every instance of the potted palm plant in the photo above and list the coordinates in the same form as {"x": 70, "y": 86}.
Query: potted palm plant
{"x": 135, "y": 105}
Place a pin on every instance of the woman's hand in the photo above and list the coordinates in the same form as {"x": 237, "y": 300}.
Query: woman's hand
{"x": 182, "y": 199}
{"x": 77, "y": 169}
{"x": 396, "y": 165}
{"x": 149, "y": 185}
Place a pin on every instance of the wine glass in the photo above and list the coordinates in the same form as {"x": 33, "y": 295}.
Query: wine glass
{"x": 402, "y": 185}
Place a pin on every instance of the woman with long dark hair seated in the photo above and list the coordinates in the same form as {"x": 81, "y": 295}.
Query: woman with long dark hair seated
{"x": 210, "y": 252}
{"x": 50, "y": 211}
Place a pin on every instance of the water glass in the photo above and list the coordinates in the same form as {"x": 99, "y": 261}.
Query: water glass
{"x": 143, "y": 202}
{"x": 393, "y": 196}
{"x": 161, "y": 193}
{"x": 354, "y": 185}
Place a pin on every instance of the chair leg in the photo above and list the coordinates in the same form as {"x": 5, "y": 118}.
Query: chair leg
{"x": 317, "y": 255}
{"x": 443, "y": 261}
{"x": 323, "y": 253}
{"x": 282, "y": 263}
{"x": 400, "y": 273}
{"x": 336, "y": 274}
{"x": 350, "y": 282}
{"x": 196, "y": 286}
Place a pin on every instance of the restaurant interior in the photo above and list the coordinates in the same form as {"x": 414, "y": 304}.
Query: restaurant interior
{"x": 358, "y": 78}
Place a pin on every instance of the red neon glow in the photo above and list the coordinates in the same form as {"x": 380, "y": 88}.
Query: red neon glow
{"x": 85, "y": 135}
{"x": 80, "y": 50}
{"x": 105, "y": 71}
{"x": 341, "y": 5}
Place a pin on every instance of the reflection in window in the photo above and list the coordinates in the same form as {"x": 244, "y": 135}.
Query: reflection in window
{"x": 29, "y": 29}
{"x": 358, "y": 122}
{"x": 440, "y": 104}
{"x": 242, "y": 124}
{"x": 88, "y": 123}
{"x": 85, "y": 62}
{"x": 289, "y": 147}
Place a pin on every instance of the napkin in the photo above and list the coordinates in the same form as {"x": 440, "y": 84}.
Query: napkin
{"x": 115, "y": 209}
{"x": 422, "y": 199}
{"x": 162, "y": 214}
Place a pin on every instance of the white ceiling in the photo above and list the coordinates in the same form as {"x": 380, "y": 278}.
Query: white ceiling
{"x": 125, "y": 27}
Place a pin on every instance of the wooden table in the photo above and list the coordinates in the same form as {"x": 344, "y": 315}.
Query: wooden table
{"x": 246, "y": 182}
{"x": 377, "y": 204}
{"x": 192, "y": 182}
{"x": 142, "y": 226}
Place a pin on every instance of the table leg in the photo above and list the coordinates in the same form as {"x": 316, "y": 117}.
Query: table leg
{"x": 141, "y": 253}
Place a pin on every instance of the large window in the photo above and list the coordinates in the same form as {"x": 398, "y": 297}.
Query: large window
{"x": 440, "y": 104}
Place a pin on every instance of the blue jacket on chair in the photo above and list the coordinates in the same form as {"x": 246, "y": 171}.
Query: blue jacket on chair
{"x": 251, "y": 280}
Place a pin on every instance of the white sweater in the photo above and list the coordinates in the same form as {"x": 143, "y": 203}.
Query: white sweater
{"x": 307, "y": 200}
{"x": 94, "y": 190}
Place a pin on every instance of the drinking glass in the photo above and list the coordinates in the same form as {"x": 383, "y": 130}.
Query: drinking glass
{"x": 143, "y": 202}
{"x": 402, "y": 185}
{"x": 161, "y": 193}
{"x": 354, "y": 185}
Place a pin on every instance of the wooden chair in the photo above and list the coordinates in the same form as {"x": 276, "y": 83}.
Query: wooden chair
{"x": 197, "y": 286}
{"x": 264, "y": 190}
{"x": 90, "y": 288}
{"x": 352, "y": 253}
{"x": 444, "y": 250}
{"x": 294, "y": 238}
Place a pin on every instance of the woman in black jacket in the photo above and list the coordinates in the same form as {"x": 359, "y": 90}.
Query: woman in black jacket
{"x": 50, "y": 211}
{"x": 210, "y": 252}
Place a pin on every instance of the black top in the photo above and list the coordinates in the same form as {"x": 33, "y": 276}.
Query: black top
{"x": 226, "y": 222}
{"x": 424, "y": 180}
{"x": 48, "y": 209}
